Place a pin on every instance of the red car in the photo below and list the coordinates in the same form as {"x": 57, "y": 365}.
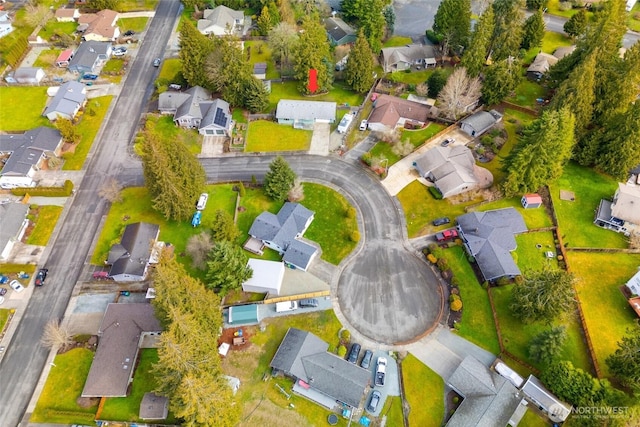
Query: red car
{"x": 446, "y": 235}
{"x": 101, "y": 275}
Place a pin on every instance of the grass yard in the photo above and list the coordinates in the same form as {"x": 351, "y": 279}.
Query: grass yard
{"x": 634, "y": 18}
{"x": 527, "y": 92}
{"x": 16, "y": 268}
{"x": 384, "y": 150}
{"x": 516, "y": 335}
{"x": 397, "y": 41}
{"x": 420, "y": 208}
{"x": 167, "y": 130}
{"x": 47, "y": 58}
{"x": 238, "y": 115}
{"x": 263, "y": 135}
{"x": 553, "y": 8}
{"x": 4, "y": 318}
{"x": 575, "y": 218}
{"x": 477, "y": 319}
{"x": 46, "y": 220}
{"x": 393, "y": 411}
{"x": 533, "y": 218}
{"x": 88, "y": 128}
{"x": 57, "y": 403}
{"x": 340, "y": 94}
{"x": 606, "y": 311}
{"x": 531, "y": 258}
{"x": 113, "y": 65}
{"x": 259, "y": 51}
{"x": 424, "y": 390}
{"x": 170, "y": 68}
{"x": 55, "y": 27}
{"x": 27, "y": 105}
{"x": 136, "y": 24}
{"x": 136, "y": 5}
{"x": 532, "y": 419}
{"x": 413, "y": 77}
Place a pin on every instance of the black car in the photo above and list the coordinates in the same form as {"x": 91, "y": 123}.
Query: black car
{"x": 441, "y": 221}
{"x": 374, "y": 401}
{"x": 353, "y": 353}
{"x": 129, "y": 33}
{"x": 41, "y": 276}
{"x": 309, "y": 302}
{"x": 3, "y": 291}
{"x": 366, "y": 359}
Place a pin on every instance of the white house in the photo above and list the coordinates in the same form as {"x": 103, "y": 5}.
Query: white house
{"x": 26, "y": 75}
{"x": 13, "y": 217}
{"x": 267, "y": 277}
{"x": 303, "y": 114}
{"x": 223, "y": 20}
{"x": 5, "y": 24}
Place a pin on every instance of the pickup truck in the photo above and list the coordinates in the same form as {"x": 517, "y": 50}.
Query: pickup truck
{"x": 446, "y": 235}
{"x": 381, "y": 370}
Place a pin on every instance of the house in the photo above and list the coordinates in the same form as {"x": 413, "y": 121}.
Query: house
{"x": 489, "y": 399}
{"x": 260, "y": 70}
{"x": 67, "y": 15}
{"x": 390, "y": 112}
{"x": 5, "y": 24}
{"x": 320, "y": 376}
{"x": 267, "y": 277}
{"x": 194, "y": 109}
{"x": 489, "y": 238}
{"x": 67, "y": 101}
{"x": 280, "y": 232}
{"x": 13, "y": 217}
{"x": 124, "y": 330}
{"x": 536, "y": 393}
{"x": 623, "y": 213}
{"x": 63, "y": 59}
{"x": 303, "y": 114}
{"x": 26, "y": 153}
{"x": 153, "y": 407}
{"x": 339, "y": 32}
{"x": 480, "y": 122}
{"x": 404, "y": 57}
{"x": 451, "y": 169}
{"x": 130, "y": 259}
{"x": 531, "y": 201}
{"x": 540, "y": 66}
{"x": 26, "y": 75}
{"x": 100, "y": 26}
{"x": 634, "y": 284}
{"x": 89, "y": 56}
{"x": 563, "y": 51}
{"x": 223, "y": 20}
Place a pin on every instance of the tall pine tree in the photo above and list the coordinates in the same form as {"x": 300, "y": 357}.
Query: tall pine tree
{"x": 359, "y": 73}
{"x": 507, "y": 30}
{"x": 475, "y": 56}
{"x": 279, "y": 179}
{"x": 194, "y": 50}
{"x": 372, "y": 23}
{"x": 533, "y": 31}
{"x": 313, "y": 52}
{"x": 500, "y": 80}
{"x": 453, "y": 22}
{"x": 619, "y": 144}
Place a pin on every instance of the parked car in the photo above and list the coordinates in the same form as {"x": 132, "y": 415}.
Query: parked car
{"x": 41, "y": 276}
{"x": 441, "y": 221}
{"x": 16, "y": 286}
{"x": 281, "y": 307}
{"x": 309, "y": 302}
{"x": 99, "y": 275}
{"x": 174, "y": 86}
{"x": 447, "y": 141}
{"x": 156, "y": 62}
{"x": 119, "y": 51}
{"x": 90, "y": 77}
{"x": 447, "y": 235}
{"x": 354, "y": 353}
{"x": 381, "y": 370}
{"x": 366, "y": 359}
{"x": 3, "y": 279}
{"x": 363, "y": 125}
{"x": 3, "y": 291}
{"x": 202, "y": 201}
{"x": 129, "y": 33}
{"x": 374, "y": 401}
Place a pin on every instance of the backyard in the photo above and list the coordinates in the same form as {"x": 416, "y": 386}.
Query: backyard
{"x": 264, "y": 136}
{"x": 424, "y": 391}
{"x": 164, "y": 127}
{"x": 27, "y": 105}
{"x": 531, "y": 253}
{"x": 533, "y": 218}
{"x": 88, "y": 128}
{"x": 259, "y": 51}
{"x": 340, "y": 94}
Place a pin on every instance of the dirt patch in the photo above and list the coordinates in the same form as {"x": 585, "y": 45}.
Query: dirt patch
{"x": 568, "y": 196}
{"x": 229, "y": 334}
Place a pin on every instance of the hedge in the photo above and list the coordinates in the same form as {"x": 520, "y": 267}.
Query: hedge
{"x": 435, "y": 193}
{"x": 64, "y": 191}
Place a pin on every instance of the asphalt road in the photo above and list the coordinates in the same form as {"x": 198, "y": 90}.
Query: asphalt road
{"x": 25, "y": 356}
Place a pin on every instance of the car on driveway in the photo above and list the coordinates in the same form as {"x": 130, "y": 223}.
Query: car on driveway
{"x": 441, "y": 221}
{"x": 119, "y": 51}
{"x": 156, "y": 62}
{"x": 381, "y": 371}
{"x": 3, "y": 279}
{"x": 41, "y": 276}
{"x": 100, "y": 275}
{"x": 129, "y": 33}
{"x": 16, "y": 286}
{"x": 374, "y": 401}
{"x": 447, "y": 141}
{"x": 447, "y": 235}
{"x": 3, "y": 291}
{"x": 363, "y": 125}
{"x": 353, "y": 353}
{"x": 309, "y": 302}
{"x": 366, "y": 359}
{"x": 90, "y": 77}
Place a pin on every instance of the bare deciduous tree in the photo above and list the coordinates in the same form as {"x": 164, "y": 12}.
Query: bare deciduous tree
{"x": 460, "y": 92}
{"x": 38, "y": 14}
{"x": 296, "y": 194}
{"x": 403, "y": 148}
{"x": 422, "y": 89}
{"x": 390, "y": 136}
{"x": 56, "y": 335}
{"x": 111, "y": 191}
{"x": 198, "y": 247}
{"x": 634, "y": 240}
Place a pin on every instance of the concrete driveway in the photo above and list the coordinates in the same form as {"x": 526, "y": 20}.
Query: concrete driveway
{"x": 321, "y": 139}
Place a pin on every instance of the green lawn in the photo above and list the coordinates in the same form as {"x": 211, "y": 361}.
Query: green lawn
{"x": 553, "y": 8}
{"x": 341, "y": 94}
{"x": 533, "y": 218}
{"x": 55, "y": 27}
{"x": 88, "y": 128}
{"x": 424, "y": 391}
{"x": 170, "y": 68}
{"x": 606, "y": 311}
{"x": 113, "y": 65}
{"x": 135, "y": 24}
{"x": 477, "y": 320}
{"x": 4, "y": 317}
{"x": 259, "y": 52}
{"x": 575, "y": 218}
{"x": 27, "y": 105}
{"x": 532, "y": 419}
{"x": 634, "y": 18}
{"x": 392, "y": 409}
{"x": 384, "y": 150}
{"x": 264, "y": 135}
{"x": 47, "y": 58}
{"x": 238, "y": 115}
{"x": 527, "y": 92}
{"x": 397, "y": 41}
{"x": 136, "y": 5}
{"x": 529, "y": 257}
{"x": 57, "y": 402}
{"x": 167, "y": 130}
{"x": 45, "y": 223}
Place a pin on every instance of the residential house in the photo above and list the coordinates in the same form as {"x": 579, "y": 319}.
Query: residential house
{"x": 320, "y": 376}
{"x": 339, "y": 32}
{"x": 64, "y": 58}
{"x": 540, "y": 66}
{"x": 563, "y": 51}
{"x": 489, "y": 399}
{"x": 480, "y": 122}
{"x": 405, "y": 57}
{"x": 26, "y": 75}
{"x": 130, "y": 259}
{"x": 267, "y": 277}
{"x": 451, "y": 169}
{"x": 67, "y": 101}
{"x": 13, "y": 217}
{"x": 536, "y": 393}
{"x": 124, "y": 330}
{"x": 281, "y": 232}
{"x": 26, "y": 153}
{"x": 390, "y": 112}
{"x": 5, "y": 23}
{"x": 531, "y": 201}
{"x": 622, "y": 214}
{"x": 303, "y": 114}
{"x": 153, "y": 407}
{"x": 223, "y": 20}
{"x": 67, "y": 14}
{"x": 489, "y": 238}
{"x": 89, "y": 56}
{"x": 100, "y": 26}
{"x": 634, "y": 284}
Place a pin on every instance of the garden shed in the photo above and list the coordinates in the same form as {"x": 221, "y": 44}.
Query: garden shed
{"x": 243, "y": 314}
{"x": 531, "y": 201}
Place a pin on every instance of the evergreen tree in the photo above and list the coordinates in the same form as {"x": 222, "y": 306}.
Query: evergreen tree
{"x": 618, "y": 144}
{"x": 264, "y": 21}
{"x": 475, "y": 56}
{"x": 313, "y": 52}
{"x": 533, "y": 31}
{"x": 624, "y": 363}
{"x": 543, "y": 296}
{"x": 227, "y": 267}
{"x": 372, "y": 24}
{"x": 389, "y": 18}
{"x": 194, "y": 50}
{"x": 353, "y": 9}
{"x": 577, "y": 24}
{"x": 547, "y": 345}
{"x": 223, "y": 227}
{"x": 539, "y": 158}
{"x": 501, "y": 79}
{"x": 279, "y": 179}
{"x": 507, "y": 29}
{"x": 453, "y": 22}
{"x": 359, "y": 73}
{"x": 436, "y": 82}
{"x": 256, "y": 96}
{"x": 536, "y": 4}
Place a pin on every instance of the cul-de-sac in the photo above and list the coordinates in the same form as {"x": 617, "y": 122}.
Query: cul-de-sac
{"x": 385, "y": 213}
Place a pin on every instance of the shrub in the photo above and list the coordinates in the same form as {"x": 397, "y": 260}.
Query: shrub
{"x": 486, "y": 139}
{"x": 455, "y": 399}
{"x": 455, "y": 291}
{"x": 64, "y": 191}
{"x": 345, "y": 335}
{"x": 485, "y": 285}
{"x": 354, "y": 236}
{"x": 436, "y": 250}
{"x": 434, "y": 37}
{"x": 503, "y": 281}
{"x": 454, "y": 297}
{"x": 456, "y": 305}
{"x": 519, "y": 280}
{"x": 432, "y": 259}
{"x": 435, "y": 193}
{"x": 351, "y": 212}
{"x": 560, "y": 257}
{"x": 455, "y": 281}
{"x": 342, "y": 351}
{"x": 241, "y": 190}
{"x": 443, "y": 264}
{"x": 366, "y": 158}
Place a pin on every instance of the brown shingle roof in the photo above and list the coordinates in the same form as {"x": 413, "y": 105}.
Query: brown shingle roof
{"x": 102, "y": 23}
{"x": 389, "y": 109}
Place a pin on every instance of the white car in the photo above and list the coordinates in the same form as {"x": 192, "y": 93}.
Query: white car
{"x": 119, "y": 51}
{"x": 16, "y": 286}
{"x": 202, "y": 201}
{"x": 363, "y": 125}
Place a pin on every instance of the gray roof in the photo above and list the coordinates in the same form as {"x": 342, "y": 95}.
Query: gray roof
{"x": 482, "y": 120}
{"x": 289, "y": 109}
{"x": 26, "y": 149}
{"x": 542, "y": 63}
{"x": 406, "y": 54}
{"x": 450, "y": 167}
{"x": 489, "y": 237}
{"x": 88, "y": 53}
{"x": 115, "y": 358}
{"x": 489, "y": 399}
{"x": 27, "y": 73}
{"x": 563, "y": 51}
{"x": 132, "y": 254}
{"x": 191, "y": 107}
{"x": 304, "y": 356}
{"x": 170, "y": 101}
{"x": 282, "y": 228}
{"x": 221, "y": 16}
{"x": 338, "y": 29}
{"x": 299, "y": 254}
{"x": 154, "y": 407}
{"x": 12, "y": 216}
{"x": 537, "y": 393}
{"x": 70, "y": 95}
{"x": 217, "y": 114}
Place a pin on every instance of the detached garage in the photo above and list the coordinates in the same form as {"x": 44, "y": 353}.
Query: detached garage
{"x": 267, "y": 277}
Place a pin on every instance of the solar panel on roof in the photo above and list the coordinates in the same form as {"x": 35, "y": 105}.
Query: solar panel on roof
{"x": 220, "y": 118}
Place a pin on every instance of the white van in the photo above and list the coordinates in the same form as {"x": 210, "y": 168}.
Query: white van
{"x": 202, "y": 201}
{"x": 286, "y": 306}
